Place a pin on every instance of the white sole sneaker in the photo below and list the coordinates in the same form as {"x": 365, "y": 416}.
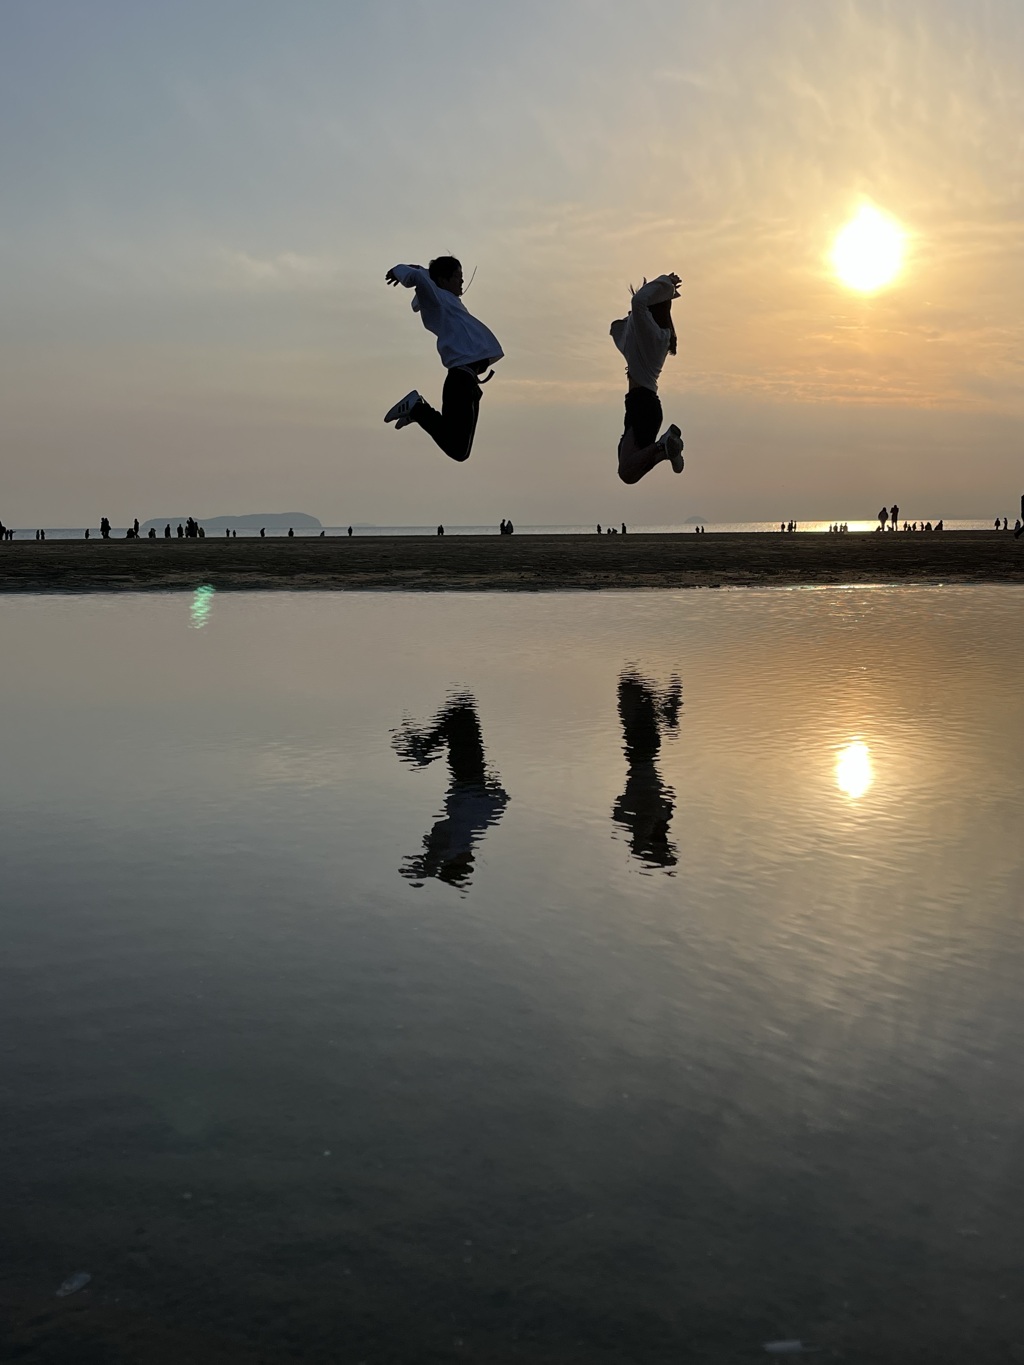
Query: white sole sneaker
{"x": 403, "y": 407}
{"x": 672, "y": 443}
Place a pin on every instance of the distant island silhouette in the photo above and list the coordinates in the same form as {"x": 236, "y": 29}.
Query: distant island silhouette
{"x": 251, "y": 521}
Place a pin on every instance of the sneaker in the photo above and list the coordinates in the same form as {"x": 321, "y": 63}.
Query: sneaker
{"x": 672, "y": 444}
{"x": 402, "y": 410}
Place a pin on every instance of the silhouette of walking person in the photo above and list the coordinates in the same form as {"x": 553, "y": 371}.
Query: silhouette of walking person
{"x": 645, "y": 807}
{"x": 475, "y": 799}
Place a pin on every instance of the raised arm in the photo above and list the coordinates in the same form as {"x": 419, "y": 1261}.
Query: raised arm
{"x": 415, "y": 277}
{"x": 412, "y": 276}
{"x": 658, "y": 290}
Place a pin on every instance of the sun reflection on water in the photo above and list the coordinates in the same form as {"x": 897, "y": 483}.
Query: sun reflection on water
{"x": 854, "y": 773}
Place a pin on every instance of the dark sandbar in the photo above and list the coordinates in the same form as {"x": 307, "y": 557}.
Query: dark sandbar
{"x": 513, "y": 563}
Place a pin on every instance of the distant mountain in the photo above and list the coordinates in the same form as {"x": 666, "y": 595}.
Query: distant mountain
{"x": 252, "y": 521}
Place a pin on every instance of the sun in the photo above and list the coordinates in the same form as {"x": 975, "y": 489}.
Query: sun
{"x": 868, "y": 253}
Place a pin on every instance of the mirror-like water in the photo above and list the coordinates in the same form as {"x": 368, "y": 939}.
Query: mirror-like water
{"x": 472, "y": 977}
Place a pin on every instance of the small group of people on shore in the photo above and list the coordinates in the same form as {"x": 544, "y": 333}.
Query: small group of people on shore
{"x": 889, "y": 519}
{"x": 839, "y": 527}
{"x": 506, "y": 528}
{"x": 610, "y": 530}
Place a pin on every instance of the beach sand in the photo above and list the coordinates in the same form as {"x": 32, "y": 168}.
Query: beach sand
{"x": 513, "y": 563}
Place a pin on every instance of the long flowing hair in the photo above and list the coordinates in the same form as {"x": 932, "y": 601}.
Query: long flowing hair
{"x": 662, "y": 315}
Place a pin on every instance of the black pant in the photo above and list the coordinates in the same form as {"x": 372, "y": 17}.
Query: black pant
{"x": 643, "y": 415}
{"x": 454, "y": 426}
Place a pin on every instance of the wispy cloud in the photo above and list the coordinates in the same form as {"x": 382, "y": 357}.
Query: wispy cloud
{"x": 285, "y": 270}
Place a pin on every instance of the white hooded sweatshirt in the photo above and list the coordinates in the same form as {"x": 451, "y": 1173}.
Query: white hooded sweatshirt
{"x": 644, "y": 344}
{"x": 461, "y": 338}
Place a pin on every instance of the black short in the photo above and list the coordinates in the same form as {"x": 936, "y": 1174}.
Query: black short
{"x": 643, "y": 416}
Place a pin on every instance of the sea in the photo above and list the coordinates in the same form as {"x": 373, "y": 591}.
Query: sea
{"x": 589, "y": 978}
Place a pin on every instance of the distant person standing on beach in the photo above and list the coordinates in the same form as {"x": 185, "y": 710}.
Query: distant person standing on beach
{"x": 894, "y": 517}
{"x": 883, "y": 517}
{"x": 646, "y": 337}
{"x": 466, "y": 348}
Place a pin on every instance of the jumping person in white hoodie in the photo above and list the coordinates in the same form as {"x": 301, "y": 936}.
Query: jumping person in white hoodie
{"x": 466, "y": 348}
{"x": 646, "y": 337}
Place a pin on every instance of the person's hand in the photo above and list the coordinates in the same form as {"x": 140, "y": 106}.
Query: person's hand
{"x": 676, "y": 282}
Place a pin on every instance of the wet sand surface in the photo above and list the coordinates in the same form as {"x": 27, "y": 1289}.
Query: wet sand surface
{"x": 515, "y": 563}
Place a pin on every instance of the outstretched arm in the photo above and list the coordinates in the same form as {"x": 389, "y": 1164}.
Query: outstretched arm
{"x": 414, "y": 277}
{"x": 403, "y": 274}
{"x": 458, "y": 727}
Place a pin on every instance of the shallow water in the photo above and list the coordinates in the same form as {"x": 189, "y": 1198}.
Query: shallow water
{"x": 571, "y": 977}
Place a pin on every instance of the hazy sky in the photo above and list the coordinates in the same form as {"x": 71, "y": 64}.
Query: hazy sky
{"x": 201, "y": 198}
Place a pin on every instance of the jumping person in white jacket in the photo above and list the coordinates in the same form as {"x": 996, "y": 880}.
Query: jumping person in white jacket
{"x": 466, "y": 348}
{"x": 646, "y": 337}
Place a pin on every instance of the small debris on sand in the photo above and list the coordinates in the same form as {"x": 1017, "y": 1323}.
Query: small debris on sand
{"x": 73, "y": 1284}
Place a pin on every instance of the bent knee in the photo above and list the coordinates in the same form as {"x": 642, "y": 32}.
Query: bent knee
{"x": 630, "y": 475}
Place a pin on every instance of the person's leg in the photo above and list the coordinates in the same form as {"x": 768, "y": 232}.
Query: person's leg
{"x": 454, "y": 427}
{"x": 639, "y": 448}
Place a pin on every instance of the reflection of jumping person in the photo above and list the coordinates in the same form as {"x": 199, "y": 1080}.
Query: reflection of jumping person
{"x": 646, "y": 337}
{"x": 475, "y": 798}
{"x": 645, "y": 807}
{"x": 466, "y": 348}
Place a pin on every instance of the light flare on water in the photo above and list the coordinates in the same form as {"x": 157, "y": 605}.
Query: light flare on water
{"x": 202, "y": 604}
{"x": 854, "y": 772}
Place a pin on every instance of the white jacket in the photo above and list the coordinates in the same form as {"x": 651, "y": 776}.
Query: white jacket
{"x": 640, "y": 339}
{"x": 461, "y": 338}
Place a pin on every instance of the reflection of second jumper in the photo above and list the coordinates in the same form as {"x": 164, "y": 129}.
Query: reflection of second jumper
{"x": 475, "y": 799}
{"x": 646, "y": 805}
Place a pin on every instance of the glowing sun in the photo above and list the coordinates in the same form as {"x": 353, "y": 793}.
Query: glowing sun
{"x": 868, "y": 252}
